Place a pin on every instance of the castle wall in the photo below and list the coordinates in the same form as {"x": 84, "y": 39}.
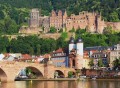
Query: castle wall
{"x": 114, "y": 25}
{"x": 92, "y": 22}
{"x": 56, "y": 19}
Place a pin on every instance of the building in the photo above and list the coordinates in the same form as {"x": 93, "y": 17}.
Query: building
{"x": 58, "y": 19}
{"x": 60, "y": 58}
{"x": 98, "y": 53}
{"x": 34, "y": 18}
{"x": 76, "y": 53}
{"x": 90, "y": 21}
{"x": 115, "y": 52}
{"x": 36, "y": 24}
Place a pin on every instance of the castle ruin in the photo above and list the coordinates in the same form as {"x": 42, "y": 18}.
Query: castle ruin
{"x": 90, "y": 21}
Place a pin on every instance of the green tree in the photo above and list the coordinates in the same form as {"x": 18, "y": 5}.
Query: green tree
{"x": 72, "y": 30}
{"x": 10, "y": 26}
{"x": 70, "y": 74}
{"x": 38, "y": 51}
{"x": 2, "y": 26}
{"x": 31, "y": 51}
{"x": 91, "y": 63}
{"x": 64, "y": 35}
{"x": 116, "y": 63}
{"x": 4, "y": 44}
{"x": 53, "y": 30}
{"x": 107, "y": 30}
{"x": 100, "y": 63}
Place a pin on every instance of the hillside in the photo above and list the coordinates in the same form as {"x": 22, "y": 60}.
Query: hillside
{"x": 110, "y": 10}
{"x": 15, "y": 13}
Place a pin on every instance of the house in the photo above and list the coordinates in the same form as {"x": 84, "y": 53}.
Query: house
{"x": 1, "y": 57}
{"x": 115, "y": 52}
{"x": 60, "y": 58}
{"x": 97, "y": 53}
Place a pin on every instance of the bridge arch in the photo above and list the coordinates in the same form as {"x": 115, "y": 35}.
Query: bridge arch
{"x": 31, "y": 71}
{"x": 60, "y": 74}
{"x": 3, "y": 76}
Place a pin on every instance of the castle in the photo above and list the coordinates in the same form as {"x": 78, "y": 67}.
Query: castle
{"x": 92, "y": 22}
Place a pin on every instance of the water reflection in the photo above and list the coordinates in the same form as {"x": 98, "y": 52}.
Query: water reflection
{"x": 61, "y": 84}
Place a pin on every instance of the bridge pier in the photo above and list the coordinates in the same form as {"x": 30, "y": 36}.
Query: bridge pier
{"x": 3, "y": 79}
{"x": 49, "y": 71}
{"x": 66, "y": 73}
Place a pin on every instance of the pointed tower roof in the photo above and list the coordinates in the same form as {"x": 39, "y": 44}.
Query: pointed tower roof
{"x": 79, "y": 40}
{"x": 71, "y": 40}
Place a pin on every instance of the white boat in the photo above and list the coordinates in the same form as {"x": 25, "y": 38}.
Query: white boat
{"x": 82, "y": 78}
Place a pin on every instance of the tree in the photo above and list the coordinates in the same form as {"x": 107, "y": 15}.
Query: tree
{"x": 31, "y": 51}
{"x": 70, "y": 74}
{"x": 2, "y": 14}
{"x": 83, "y": 71}
{"x": 10, "y": 26}
{"x": 107, "y": 30}
{"x": 116, "y": 63}
{"x": 64, "y": 35}
{"x": 100, "y": 63}
{"x": 91, "y": 64}
{"x": 38, "y": 49}
{"x": 4, "y": 43}
{"x": 2, "y": 26}
{"x": 72, "y": 30}
{"x": 53, "y": 30}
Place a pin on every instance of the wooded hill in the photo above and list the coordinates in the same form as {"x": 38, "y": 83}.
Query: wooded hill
{"x": 110, "y": 9}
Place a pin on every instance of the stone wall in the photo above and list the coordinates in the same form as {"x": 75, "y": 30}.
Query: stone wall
{"x": 114, "y": 25}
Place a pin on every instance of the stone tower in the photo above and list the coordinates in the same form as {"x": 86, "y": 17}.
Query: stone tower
{"x": 34, "y": 18}
{"x": 79, "y": 54}
{"x": 76, "y": 53}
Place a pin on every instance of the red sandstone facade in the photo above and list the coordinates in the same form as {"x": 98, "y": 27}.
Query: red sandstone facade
{"x": 90, "y": 21}
{"x": 58, "y": 19}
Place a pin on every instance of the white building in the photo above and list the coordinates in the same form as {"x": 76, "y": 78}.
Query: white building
{"x": 115, "y": 53}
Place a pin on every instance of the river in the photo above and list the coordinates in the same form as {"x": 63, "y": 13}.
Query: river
{"x": 62, "y": 84}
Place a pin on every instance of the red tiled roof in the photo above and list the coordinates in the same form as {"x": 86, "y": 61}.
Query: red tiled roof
{"x": 60, "y": 50}
{"x": 26, "y": 56}
{"x": 6, "y": 54}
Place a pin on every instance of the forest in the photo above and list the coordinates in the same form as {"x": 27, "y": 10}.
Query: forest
{"x": 15, "y": 13}
{"x": 35, "y": 46}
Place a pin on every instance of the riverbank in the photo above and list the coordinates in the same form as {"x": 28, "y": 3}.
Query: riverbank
{"x": 67, "y": 79}
{"x": 57, "y": 79}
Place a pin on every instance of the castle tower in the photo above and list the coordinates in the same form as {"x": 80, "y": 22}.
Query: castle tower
{"x": 79, "y": 54}
{"x": 64, "y": 17}
{"x": 53, "y": 13}
{"x": 34, "y": 18}
{"x": 59, "y": 13}
{"x": 100, "y": 24}
{"x": 71, "y": 44}
{"x": 91, "y": 17}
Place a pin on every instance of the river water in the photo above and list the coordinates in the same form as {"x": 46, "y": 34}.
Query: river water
{"x": 62, "y": 84}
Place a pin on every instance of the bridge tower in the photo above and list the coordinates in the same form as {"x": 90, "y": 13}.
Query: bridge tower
{"x": 76, "y": 53}
{"x": 79, "y": 54}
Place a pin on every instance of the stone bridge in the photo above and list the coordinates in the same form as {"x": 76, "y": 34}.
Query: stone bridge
{"x": 9, "y": 70}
